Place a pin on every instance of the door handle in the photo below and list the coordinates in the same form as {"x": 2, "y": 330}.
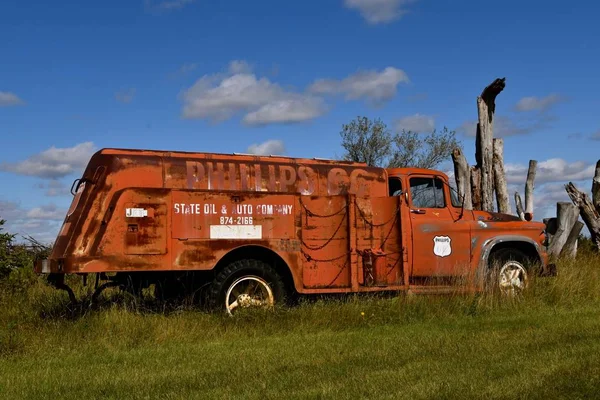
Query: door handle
{"x": 417, "y": 211}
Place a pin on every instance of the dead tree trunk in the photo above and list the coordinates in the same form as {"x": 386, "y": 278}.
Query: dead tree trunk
{"x": 589, "y": 214}
{"x": 550, "y": 228}
{"x": 476, "y": 188}
{"x": 566, "y": 216}
{"x": 486, "y": 106}
{"x": 570, "y": 248}
{"x": 529, "y": 186}
{"x": 596, "y": 188}
{"x": 500, "y": 177}
{"x": 462, "y": 175}
{"x": 519, "y": 206}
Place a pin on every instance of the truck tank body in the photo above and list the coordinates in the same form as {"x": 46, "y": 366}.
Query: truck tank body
{"x": 141, "y": 210}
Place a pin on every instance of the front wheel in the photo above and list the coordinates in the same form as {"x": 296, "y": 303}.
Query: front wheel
{"x": 508, "y": 273}
{"x": 246, "y": 284}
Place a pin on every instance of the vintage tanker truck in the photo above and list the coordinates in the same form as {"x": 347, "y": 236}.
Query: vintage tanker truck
{"x": 252, "y": 230}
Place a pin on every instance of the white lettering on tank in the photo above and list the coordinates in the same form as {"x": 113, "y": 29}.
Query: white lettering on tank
{"x": 237, "y": 209}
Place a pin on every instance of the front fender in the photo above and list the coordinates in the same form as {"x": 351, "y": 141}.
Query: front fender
{"x": 489, "y": 244}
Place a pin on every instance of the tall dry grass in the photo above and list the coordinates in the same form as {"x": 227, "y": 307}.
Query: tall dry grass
{"x": 29, "y": 307}
{"x": 543, "y": 344}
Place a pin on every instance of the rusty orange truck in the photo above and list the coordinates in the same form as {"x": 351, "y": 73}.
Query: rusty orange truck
{"x": 251, "y": 230}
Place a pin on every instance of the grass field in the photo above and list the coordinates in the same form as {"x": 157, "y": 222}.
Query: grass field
{"x": 543, "y": 345}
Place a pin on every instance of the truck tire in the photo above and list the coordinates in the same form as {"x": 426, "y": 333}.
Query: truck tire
{"x": 246, "y": 283}
{"x": 507, "y": 273}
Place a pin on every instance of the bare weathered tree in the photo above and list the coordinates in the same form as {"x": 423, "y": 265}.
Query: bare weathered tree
{"x": 486, "y": 107}
{"x": 422, "y": 150}
{"x": 589, "y": 213}
{"x": 526, "y": 214}
{"x": 462, "y": 175}
{"x": 519, "y": 206}
{"x": 566, "y": 216}
{"x": 366, "y": 141}
{"x": 476, "y": 188}
{"x": 371, "y": 142}
{"x": 570, "y": 248}
{"x": 529, "y": 186}
{"x": 596, "y": 188}
{"x": 500, "y": 177}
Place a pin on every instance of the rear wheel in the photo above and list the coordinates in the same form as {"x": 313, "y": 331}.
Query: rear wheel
{"x": 246, "y": 284}
{"x": 508, "y": 272}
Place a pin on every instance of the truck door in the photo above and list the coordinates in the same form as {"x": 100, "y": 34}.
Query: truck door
{"x": 440, "y": 240}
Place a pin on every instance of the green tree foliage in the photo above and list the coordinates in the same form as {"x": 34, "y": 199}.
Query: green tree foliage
{"x": 371, "y": 142}
{"x": 6, "y": 240}
{"x": 15, "y": 256}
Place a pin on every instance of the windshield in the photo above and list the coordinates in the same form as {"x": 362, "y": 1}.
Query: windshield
{"x": 455, "y": 198}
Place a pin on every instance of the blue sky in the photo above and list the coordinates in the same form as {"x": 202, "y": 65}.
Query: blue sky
{"x": 275, "y": 76}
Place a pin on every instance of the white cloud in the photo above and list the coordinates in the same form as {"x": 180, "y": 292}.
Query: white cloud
{"x": 505, "y": 126}
{"x": 167, "y": 5}
{"x": 125, "y": 96}
{"x": 239, "y": 67}
{"x": 545, "y": 197}
{"x": 54, "y": 162}
{"x": 533, "y": 103}
{"x": 42, "y": 222}
{"x": 9, "y": 210}
{"x": 270, "y": 147}
{"x": 549, "y": 184}
{"x": 295, "y": 109}
{"x": 54, "y": 188}
{"x": 184, "y": 70}
{"x": 552, "y": 170}
{"x": 49, "y": 212}
{"x": 219, "y": 97}
{"x": 548, "y": 195}
{"x": 10, "y": 99}
{"x": 376, "y": 86}
{"x": 416, "y": 123}
{"x": 379, "y": 11}
{"x": 596, "y": 135}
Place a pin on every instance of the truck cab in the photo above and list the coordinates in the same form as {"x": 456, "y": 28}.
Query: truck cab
{"x": 448, "y": 241}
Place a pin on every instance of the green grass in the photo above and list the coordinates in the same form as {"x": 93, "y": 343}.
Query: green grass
{"x": 545, "y": 344}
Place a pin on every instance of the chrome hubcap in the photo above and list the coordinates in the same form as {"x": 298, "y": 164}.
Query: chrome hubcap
{"x": 248, "y": 291}
{"x": 512, "y": 278}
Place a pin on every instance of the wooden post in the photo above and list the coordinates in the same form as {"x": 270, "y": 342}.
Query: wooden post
{"x": 500, "y": 178}
{"x": 570, "y": 248}
{"x": 566, "y": 216}
{"x": 596, "y": 188}
{"x": 590, "y": 216}
{"x": 476, "y": 188}
{"x": 486, "y": 106}
{"x": 519, "y": 206}
{"x": 462, "y": 175}
{"x": 529, "y": 186}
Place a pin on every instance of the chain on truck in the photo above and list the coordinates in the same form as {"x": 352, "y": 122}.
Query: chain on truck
{"x": 255, "y": 230}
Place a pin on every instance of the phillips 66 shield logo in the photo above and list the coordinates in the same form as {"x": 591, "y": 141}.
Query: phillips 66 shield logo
{"x": 441, "y": 246}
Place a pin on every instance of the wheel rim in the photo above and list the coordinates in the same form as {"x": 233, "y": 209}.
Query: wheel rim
{"x": 512, "y": 278}
{"x": 248, "y": 292}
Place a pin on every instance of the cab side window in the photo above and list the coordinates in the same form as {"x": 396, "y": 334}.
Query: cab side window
{"x": 427, "y": 193}
{"x": 395, "y": 186}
